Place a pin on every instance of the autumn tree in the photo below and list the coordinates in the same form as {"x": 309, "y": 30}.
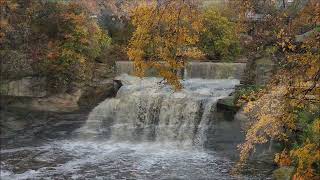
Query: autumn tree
{"x": 166, "y": 32}
{"x": 73, "y": 41}
{"x": 58, "y": 39}
{"x": 287, "y": 110}
{"x": 15, "y": 31}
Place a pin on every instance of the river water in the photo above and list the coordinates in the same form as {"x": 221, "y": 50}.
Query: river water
{"x": 147, "y": 131}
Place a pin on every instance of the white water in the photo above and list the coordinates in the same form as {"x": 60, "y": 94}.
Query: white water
{"x": 147, "y": 131}
{"x": 109, "y": 160}
{"x": 145, "y": 110}
{"x": 193, "y": 69}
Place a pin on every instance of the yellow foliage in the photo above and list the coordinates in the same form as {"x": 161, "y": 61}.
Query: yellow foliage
{"x": 295, "y": 86}
{"x": 306, "y": 157}
{"x": 165, "y": 34}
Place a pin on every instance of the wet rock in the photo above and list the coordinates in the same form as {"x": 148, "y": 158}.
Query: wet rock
{"x": 224, "y": 134}
{"x": 96, "y": 92}
{"x": 224, "y": 171}
{"x": 227, "y": 103}
{"x": 15, "y": 125}
{"x": 242, "y": 118}
{"x": 22, "y": 126}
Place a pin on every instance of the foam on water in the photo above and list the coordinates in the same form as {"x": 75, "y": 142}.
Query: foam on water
{"x": 112, "y": 160}
{"x": 147, "y": 131}
{"x": 145, "y": 110}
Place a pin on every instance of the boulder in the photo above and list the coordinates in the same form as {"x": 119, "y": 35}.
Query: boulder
{"x": 96, "y": 92}
{"x": 227, "y": 104}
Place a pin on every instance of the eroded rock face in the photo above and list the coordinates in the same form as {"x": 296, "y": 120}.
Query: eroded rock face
{"x": 21, "y": 94}
{"x": 27, "y": 87}
{"x": 225, "y": 133}
{"x": 65, "y": 102}
{"x": 95, "y": 93}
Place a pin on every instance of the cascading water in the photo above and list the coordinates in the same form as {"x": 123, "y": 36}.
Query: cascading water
{"x": 193, "y": 69}
{"x": 144, "y": 110}
{"x": 147, "y": 131}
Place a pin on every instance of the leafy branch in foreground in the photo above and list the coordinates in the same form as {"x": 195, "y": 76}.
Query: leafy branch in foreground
{"x": 165, "y": 34}
{"x": 275, "y": 112}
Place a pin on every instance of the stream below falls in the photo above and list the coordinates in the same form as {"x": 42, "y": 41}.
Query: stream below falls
{"x": 146, "y": 132}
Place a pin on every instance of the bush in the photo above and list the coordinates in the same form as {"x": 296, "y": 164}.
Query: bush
{"x": 220, "y": 40}
{"x": 243, "y": 94}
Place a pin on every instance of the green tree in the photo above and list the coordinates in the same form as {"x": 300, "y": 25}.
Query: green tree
{"x": 220, "y": 40}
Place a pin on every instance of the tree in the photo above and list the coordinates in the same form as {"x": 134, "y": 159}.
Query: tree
{"x": 15, "y": 31}
{"x": 165, "y": 33}
{"x": 60, "y": 40}
{"x": 73, "y": 41}
{"x": 220, "y": 39}
{"x": 277, "y": 111}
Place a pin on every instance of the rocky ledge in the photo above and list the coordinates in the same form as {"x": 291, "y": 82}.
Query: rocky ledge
{"x": 85, "y": 98}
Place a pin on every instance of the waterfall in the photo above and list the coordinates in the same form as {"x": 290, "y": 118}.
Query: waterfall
{"x": 145, "y": 110}
{"x": 209, "y": 70}
{"x": 124, "y": 67}
{"x": 205, "y": 70}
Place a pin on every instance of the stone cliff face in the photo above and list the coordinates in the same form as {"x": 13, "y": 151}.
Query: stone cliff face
{"x": 30, "y": 92}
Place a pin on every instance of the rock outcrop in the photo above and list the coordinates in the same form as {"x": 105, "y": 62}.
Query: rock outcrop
{"x": 27, "y": 87}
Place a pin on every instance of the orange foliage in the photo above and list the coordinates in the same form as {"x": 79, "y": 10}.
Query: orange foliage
{"x": 283, "y": 159}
